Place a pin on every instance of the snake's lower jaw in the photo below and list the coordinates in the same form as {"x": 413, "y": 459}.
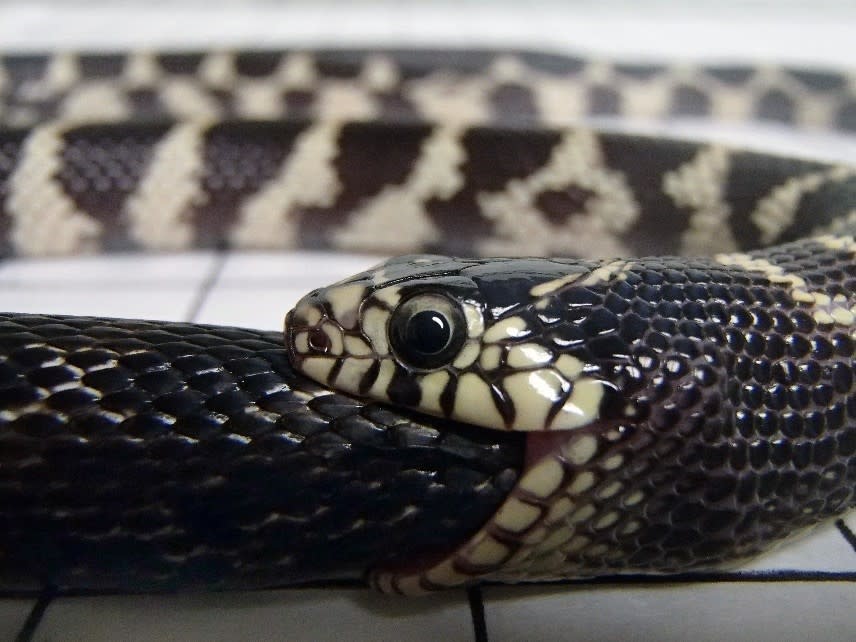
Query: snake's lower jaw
{"x": 287, "y": 333}
{"x": 533, "y": 534}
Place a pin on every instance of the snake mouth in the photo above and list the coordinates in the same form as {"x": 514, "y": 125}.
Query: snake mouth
{"x": 533, "y": 530}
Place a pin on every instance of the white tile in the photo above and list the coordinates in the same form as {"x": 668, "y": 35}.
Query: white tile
{"x": 132, "y": 285}
{"x": 850, "y": 520}
{"x": 13, "y": 614}
{"x": 316, "y": 615}
{"x": 761, "y": 612}
{"x": 189, "y": 269}
{"x": 257, "y": 290}
{"x": 146, "y": 301}
{"x": 823, "y": 549}
{"x": 318, "y": 267}
{"x": 263, "y": 308}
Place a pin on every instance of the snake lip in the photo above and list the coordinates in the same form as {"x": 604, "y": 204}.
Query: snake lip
{"x": 288, "y": 333}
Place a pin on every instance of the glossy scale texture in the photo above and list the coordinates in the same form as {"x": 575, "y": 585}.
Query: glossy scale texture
{"x": 142, "y": 456}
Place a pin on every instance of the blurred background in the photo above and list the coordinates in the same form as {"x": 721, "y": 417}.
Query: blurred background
{"x": 784, "y": 30}
{"x": 794, "y": 32}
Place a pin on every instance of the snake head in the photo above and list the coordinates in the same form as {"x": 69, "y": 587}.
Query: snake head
{"x": 611, "y": 367}
{"x": 482, "y": 342}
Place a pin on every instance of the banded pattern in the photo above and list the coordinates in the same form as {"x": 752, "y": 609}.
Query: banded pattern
{"x": 462, "y": 86}
{"x": 272, "y": 150}
{"x": 399, "y": 188}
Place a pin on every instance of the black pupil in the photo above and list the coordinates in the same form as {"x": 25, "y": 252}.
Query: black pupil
{"x": 428, "y": 332}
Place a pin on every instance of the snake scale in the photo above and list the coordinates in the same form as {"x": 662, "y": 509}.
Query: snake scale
{"x": 434, "y": 421}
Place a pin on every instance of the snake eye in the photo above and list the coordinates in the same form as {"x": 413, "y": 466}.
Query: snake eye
{"x": 427, "y": 331}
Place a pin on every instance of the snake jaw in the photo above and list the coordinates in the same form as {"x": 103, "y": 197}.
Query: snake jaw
{"x": 571, "y": 484}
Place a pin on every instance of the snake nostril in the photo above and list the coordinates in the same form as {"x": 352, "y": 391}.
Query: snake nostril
{"x": 318, "y": 340}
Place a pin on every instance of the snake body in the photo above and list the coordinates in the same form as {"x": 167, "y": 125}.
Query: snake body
{"x": 149, "y": 456}
{"x": 597, "y": 414}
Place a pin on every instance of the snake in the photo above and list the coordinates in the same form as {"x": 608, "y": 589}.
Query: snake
{"x": 595, "y": 352}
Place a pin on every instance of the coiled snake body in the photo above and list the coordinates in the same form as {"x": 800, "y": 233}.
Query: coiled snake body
{"x": 529, "y": 418}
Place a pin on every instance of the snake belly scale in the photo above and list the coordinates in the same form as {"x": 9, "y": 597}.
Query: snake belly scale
{"x": 511, "y": 419}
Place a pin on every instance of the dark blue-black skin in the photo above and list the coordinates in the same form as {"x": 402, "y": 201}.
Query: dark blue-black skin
{"x": 176, "y": 456}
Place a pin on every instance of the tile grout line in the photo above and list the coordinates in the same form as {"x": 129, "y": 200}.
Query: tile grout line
{"x": 743, "y": 577}
{"x": 35, "y": 617}
{"x": 207, "y": 285}
{"x": 477, "y": 613}
{"x": 846, "y": 533}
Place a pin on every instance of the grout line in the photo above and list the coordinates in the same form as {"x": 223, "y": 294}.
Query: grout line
{"x": 845, "y": 531}
{"x": 207, "y": 286}
{"x": 745, "y": 577}
{"x": 34, "y": 618}
{"x": 476, "y": 601}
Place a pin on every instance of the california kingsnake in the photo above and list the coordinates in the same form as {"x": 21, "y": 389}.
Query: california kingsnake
{"x": 691, "y": 411}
